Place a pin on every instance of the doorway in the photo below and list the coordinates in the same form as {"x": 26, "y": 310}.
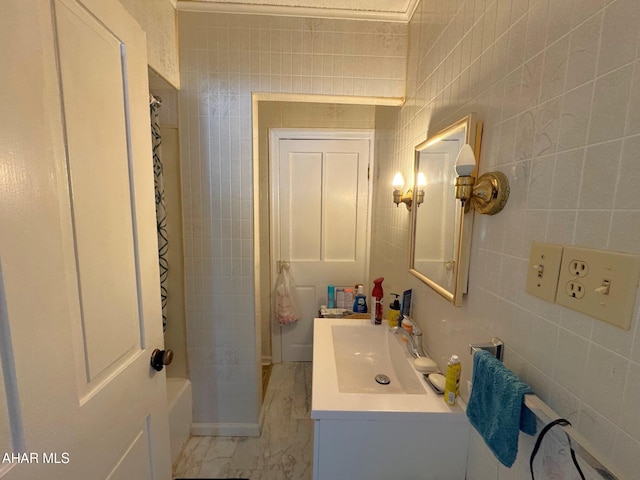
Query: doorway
{"x": 320, "y": 220}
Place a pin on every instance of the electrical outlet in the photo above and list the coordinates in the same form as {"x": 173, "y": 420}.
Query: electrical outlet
{"x": 578, "y": 268}
{"x": 600, "y": 284}
{"x": 575, "y": 289}
{"x": 544, "y": 267}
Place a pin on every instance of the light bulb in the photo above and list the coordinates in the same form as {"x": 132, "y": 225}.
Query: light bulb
{"x": 398, "y": 181}
{"x": 466, "y": 161}
{"x": 422, "y": 180}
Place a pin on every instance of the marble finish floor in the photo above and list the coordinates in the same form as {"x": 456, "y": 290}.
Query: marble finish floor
{"x": 284, "y": 450}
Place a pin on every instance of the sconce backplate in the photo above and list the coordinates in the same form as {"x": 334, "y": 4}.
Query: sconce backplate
{"x": 490, "y": 193}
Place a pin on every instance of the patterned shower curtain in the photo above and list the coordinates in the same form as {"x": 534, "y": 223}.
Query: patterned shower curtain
{"x": 161, "y": 216}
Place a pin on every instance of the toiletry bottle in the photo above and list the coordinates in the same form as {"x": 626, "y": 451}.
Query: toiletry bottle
{"x": 348, "y": 298}
{"x": 340, "y": 298}
{"x": 393, "y": 317}
{"x": 378, "y": 293}
{"x": 452, "y": 385}
{"x": 407, "y": 324}
{"x": 360, "y": 303}
{"x": 331, "y": 296}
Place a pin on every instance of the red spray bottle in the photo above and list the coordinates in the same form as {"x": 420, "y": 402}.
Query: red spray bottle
{"x": 378, "y": 293}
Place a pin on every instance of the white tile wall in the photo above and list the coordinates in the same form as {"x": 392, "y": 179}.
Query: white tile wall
{"x": 557, "y": 83}
{"x": 224, "y": 58}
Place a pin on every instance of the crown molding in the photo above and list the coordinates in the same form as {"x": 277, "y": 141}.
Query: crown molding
{"x": 287, "y": 11}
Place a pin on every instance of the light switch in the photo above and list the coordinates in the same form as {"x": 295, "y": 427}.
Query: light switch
{"x": 544, "y": 266}
{"x": 599, "y": 283}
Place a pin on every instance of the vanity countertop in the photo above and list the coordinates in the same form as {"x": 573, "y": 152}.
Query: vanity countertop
{"x": 329, "y": 403}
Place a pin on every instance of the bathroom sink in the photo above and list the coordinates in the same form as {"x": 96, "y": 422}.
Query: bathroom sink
{"x": 363, "y": 353}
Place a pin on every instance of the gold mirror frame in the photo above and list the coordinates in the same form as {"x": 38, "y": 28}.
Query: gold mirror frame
{"x": 456, "y": 267}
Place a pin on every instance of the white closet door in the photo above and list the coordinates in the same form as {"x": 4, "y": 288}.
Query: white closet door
{"x": 322, "y": 209}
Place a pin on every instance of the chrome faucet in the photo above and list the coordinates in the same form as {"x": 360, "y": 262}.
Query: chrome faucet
{"x": 414, "y": 341}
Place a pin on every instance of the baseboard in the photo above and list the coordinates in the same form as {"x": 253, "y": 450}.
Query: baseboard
{"x": 267, "y": 360}
{"x": 225, "y": 429}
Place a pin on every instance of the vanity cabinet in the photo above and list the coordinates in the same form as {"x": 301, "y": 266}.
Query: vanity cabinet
{"x": 363, "y": 432}
{"x": 383, "y": 449}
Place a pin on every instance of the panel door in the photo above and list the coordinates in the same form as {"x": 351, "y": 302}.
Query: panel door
{"x": 79, "y": 292}
{"x": 323, "y": 197}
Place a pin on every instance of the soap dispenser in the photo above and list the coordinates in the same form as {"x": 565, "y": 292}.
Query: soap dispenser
{"x": 360, "y": 302}
{"x": 393, "y": 317}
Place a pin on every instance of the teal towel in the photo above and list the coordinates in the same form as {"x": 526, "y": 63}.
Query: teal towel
{"x": 496, "y": 408}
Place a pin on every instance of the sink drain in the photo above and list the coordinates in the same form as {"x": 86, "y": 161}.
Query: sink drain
{"x": 382, "y": 379}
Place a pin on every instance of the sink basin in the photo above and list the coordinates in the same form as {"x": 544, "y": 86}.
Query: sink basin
{"x": 363, "y": 353}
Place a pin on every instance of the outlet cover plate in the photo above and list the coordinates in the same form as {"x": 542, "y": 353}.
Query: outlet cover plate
{"x": 544, "y": 267}
{"x": 622, "y": 270}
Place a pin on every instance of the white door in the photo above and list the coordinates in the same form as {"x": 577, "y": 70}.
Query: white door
{"x": 79, "y": 293}
{"x": 320, "y": 221}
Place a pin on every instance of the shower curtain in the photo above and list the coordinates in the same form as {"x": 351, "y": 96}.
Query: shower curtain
{"x": 161, "y": 216}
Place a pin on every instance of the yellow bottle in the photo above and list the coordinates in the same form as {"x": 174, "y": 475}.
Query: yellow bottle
{"x": 452, "y": 384}
{"x": 393, "y": 316}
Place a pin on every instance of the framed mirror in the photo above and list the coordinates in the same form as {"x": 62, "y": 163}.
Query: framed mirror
{"x": 440, "y": 227}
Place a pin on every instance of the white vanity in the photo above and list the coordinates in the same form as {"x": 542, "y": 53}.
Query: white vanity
{"x": 366, "y": 430}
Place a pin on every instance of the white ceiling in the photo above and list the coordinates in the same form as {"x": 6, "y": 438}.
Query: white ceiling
{"x": 389, "y": 10}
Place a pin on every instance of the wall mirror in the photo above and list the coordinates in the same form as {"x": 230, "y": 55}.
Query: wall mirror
{"x": 440, "y": 228}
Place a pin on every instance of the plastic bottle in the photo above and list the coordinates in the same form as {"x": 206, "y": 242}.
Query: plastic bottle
{"x": 393, "y": 317}
{"x": 340, "y": 298}
{"x": 331, "y": 296}
{"x": 348, "y": 298}
{"x": 407, "y": 324}
{"x": 360, "y": 302}
{"x": 378, "y": 293}
{"x": 452, "y": 385}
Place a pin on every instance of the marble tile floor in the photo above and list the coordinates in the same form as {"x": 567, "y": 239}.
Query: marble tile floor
{"x": 284, "y": 450}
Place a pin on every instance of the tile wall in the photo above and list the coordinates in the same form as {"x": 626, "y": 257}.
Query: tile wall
{"x": 557, "y": 83}
{"x": 224, "y": 58}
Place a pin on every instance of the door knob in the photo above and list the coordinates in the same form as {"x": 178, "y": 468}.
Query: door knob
{"x": 160, "y": 358}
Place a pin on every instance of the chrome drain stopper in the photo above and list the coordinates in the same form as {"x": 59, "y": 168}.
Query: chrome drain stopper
{"x": 382, "y": 379}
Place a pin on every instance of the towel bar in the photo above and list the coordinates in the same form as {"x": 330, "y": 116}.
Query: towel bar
{"x": 581, "y": 445}
{"x": 583, "y": 448}
{"x": 495, "y": 348}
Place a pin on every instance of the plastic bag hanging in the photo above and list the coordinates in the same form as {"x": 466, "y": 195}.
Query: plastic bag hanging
{"x": 285, "y": 301}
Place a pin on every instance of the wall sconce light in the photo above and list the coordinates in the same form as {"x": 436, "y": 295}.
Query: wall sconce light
{"x": 488, "y": 194}
{"x": 407, "y": 198}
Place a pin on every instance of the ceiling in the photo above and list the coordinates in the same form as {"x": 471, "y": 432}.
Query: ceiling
{"x": 387, "y": 10}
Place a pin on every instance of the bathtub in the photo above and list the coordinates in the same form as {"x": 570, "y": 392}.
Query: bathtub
{"x": 400, "y": 430}
{"x": 179, "y": 400}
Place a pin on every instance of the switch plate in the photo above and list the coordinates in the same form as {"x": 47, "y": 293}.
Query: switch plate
{"x": 544, "y": 267}
{"x": 600, "y": 284}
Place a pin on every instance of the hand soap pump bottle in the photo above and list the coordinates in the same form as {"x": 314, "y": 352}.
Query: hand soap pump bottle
{"x": 360, "y": 302}
{"x": 378, "y": 293}
{"x": 393, "y": 317}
